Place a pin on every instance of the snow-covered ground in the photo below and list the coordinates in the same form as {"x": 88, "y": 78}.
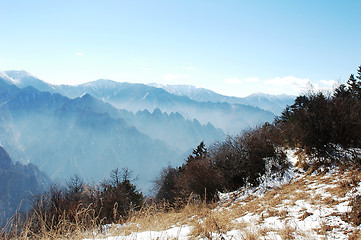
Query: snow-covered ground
{"x": 172, "y": 233}
{"x": 295, "y": 206}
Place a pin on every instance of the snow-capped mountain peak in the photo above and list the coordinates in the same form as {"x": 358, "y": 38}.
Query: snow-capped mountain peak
{"x": 4, "y": 76}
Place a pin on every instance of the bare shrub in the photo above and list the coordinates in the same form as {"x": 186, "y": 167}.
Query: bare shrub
{"x": 244, "y": 158}
{"x": 165, "y": 185}
{"x": 201, "y": 178}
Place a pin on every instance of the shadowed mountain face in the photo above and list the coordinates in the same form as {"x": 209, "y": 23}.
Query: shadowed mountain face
{"x": 18, "y": 184}
{"x": 229, "y": 114}
{"x": 63, "y": 139}
{"x": 88, "y": 137}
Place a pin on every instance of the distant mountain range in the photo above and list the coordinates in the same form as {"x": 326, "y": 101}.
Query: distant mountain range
{"x": 273, "y": 103}
{"x": 92, "y": 128}
{"x": 231, "y": 114}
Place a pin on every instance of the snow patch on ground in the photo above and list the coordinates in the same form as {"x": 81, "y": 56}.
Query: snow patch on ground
{"x": 180, "y": 233}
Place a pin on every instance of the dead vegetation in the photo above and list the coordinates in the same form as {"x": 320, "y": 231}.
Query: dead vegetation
{"x": 19, "y": 228}
{"x": 250, "y": 218}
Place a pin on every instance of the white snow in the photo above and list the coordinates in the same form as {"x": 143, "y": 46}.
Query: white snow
{"x": 172, "y": 233}
{"x": 7, "y": 78}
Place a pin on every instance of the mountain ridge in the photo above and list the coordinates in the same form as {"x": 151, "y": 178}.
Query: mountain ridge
{"x": 231, "y": 118}
{"x": 275, "y": 104}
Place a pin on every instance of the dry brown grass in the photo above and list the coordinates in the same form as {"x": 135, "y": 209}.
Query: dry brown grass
{"x": 240, "y": 225}
{"x": 305, "y": 215}
{"x": 250, "y": 234}
{"x": 355, "y": 235}
{"x": 159, "y": 217}
{"x": 324, "y": 229}
{"x": 287, "y": 232}
{"x": 354, "y": 215}
{"x": 315, "y": 199}
{"x": 330, "y": 202}
{"x": 346, "y": 181}
{"x": 210, "y": 224}
{"x": 207, "y": 220}
{"x": 283, "y": 214}
{"x": 200, "y": 216}
{"x": 266, "y": 206}
{"x": 21, "y": 227}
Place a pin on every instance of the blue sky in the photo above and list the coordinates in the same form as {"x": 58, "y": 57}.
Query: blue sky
{"x": 232, "y": 47}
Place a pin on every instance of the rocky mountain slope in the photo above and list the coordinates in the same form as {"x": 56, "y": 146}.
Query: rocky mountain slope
{"x": 19, "y": 183}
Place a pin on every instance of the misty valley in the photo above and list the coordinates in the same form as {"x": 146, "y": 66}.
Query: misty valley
{"x": 55, "y": 132}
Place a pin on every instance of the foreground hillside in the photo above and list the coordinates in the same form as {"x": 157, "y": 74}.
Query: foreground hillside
{"x": 300, "y": 205}
{"x": 314, "y": 204}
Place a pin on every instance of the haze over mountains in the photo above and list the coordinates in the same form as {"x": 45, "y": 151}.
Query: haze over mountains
{"x": 92, "y": 128}
{"x": 272, "y": 103}
{"x": 65, "y": 136}
{"x": 192, "y": 103}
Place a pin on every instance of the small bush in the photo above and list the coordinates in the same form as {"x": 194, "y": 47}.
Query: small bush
{"x": 165, "y": 185}
{"x": 118, "y": 196}
{"x": 244, "y": 158}
{"x": 198, "y": 178}
{"x": 201, "y": 178}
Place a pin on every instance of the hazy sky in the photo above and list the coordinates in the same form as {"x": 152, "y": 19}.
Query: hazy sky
{"x": 232, "y": 47}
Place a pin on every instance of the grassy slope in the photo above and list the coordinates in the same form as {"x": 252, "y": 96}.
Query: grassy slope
{"x": 310, "y": 206}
